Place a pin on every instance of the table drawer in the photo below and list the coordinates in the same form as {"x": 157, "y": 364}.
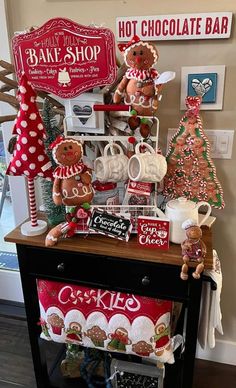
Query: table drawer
{"x": 134, "y": 276}
{"x": 148, "y": 278}
{"x": 60, "y": 264}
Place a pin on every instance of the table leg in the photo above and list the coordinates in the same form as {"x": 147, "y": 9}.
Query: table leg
{"x": 195, "y": 289}
{"x": 33, "y": 314}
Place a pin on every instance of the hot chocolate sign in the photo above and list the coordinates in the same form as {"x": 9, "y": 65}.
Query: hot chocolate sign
{"x": 65, "y": 58}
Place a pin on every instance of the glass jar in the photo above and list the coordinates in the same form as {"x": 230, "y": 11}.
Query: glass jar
{"x": 106, "y": 194}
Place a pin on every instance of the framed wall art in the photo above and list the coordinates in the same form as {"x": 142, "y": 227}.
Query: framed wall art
{"x": 204, "y": 81}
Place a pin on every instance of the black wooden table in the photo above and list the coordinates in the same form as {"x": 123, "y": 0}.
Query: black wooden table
{"x": 102, "y": 262}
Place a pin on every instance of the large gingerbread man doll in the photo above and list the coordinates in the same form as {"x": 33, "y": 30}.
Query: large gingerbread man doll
{"x": 138, "y": 84}
{"x": 72, "y": 186}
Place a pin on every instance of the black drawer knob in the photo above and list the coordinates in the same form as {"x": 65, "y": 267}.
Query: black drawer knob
{"x": 61, "y": 267}
{"x": 145, "y": 281}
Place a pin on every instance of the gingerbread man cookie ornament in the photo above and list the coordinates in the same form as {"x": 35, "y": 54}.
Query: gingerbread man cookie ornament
{"x": 193, "y": 249}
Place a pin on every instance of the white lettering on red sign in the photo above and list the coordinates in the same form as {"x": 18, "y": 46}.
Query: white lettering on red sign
{"x": 105, "y": 300}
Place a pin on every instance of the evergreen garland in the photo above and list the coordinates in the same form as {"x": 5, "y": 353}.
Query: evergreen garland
{"x": 55, "y": 214}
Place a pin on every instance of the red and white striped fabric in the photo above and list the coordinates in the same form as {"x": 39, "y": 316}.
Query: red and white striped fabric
{"x": 64, "y": 172}
{"x": 32, "y": 202}
{"x": 142, "y": 75}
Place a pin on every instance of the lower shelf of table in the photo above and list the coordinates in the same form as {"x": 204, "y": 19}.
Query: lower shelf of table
{"x": 56, "y": 378}
{"x": 172, "y": 374}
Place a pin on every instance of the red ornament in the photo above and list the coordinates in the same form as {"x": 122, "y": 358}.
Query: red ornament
{"x": 131, "y": 140}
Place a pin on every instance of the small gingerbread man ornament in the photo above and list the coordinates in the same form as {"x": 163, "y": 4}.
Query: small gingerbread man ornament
{"x": 193, "y": 249}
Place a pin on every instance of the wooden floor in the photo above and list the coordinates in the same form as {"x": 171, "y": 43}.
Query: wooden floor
{"x": 16, "y": 368}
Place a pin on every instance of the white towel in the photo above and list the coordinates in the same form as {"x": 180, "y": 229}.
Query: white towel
{"x": 210, "y": 311}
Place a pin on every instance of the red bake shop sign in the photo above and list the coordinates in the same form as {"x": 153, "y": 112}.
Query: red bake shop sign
{"x": 175, "y": 27}
{"x": 65, "y": 58}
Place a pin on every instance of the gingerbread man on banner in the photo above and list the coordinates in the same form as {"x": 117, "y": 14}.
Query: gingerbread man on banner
{"x": 119, "y": 340}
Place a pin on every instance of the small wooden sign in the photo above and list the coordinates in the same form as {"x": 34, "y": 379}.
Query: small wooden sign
{"x": 110, "y": 224}
{"x": 212, "y": 25}
{"x": 153, "y": 232}
{"x": 66, "y": 58}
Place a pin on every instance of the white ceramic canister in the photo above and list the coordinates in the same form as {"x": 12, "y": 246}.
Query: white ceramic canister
{"x": 178, "y": 211}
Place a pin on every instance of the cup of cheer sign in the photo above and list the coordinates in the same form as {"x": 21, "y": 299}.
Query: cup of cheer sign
{"x": 153, "y": 232}
{"x": 110, "y": 224}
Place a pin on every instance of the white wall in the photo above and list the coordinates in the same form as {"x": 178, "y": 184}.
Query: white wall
{"x": 17, "y": 184}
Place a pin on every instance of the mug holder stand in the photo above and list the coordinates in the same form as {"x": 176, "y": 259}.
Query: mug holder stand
{"x": 133, "y": 210}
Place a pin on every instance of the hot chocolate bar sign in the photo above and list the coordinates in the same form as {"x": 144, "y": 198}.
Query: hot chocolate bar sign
{"x": 213, "y": 25}
{"x": 65, "y": 58}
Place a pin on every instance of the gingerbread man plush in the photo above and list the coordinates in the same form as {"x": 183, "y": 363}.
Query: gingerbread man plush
{"x": 72, "y": 186}
{"x": 193, "y": 249}
{"x": 138, "y": 85}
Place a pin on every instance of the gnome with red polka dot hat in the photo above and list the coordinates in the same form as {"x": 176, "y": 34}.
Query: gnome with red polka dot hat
{"x": 29, "y": 155}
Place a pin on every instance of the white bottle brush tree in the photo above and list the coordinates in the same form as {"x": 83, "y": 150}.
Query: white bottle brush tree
{"x": 29, "y": 155}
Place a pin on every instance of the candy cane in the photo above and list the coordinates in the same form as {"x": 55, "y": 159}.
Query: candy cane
{"x": 32, "y": 202}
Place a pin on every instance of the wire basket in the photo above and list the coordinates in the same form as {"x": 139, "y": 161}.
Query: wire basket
{"x": 133, "y": 211}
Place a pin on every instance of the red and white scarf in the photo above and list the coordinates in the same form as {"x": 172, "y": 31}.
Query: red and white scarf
{"x": 65, "y": 172}
{"x": 142, "y": 75}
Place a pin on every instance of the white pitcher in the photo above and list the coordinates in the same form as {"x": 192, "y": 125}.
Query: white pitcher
{"x": 178, "y": 211}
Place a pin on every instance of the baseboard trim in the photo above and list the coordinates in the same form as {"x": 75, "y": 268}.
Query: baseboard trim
{"x": 15, "y": 310}
{"x": 11, "y": 286}
{"x": 224, "y": 352}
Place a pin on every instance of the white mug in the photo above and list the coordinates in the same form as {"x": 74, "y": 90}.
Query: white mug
{"x": 148, "y": 166}
{"x": 111, "y": 168}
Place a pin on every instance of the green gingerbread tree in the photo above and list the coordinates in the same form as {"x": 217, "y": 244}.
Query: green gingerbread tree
{"x": 191, "y": 172}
